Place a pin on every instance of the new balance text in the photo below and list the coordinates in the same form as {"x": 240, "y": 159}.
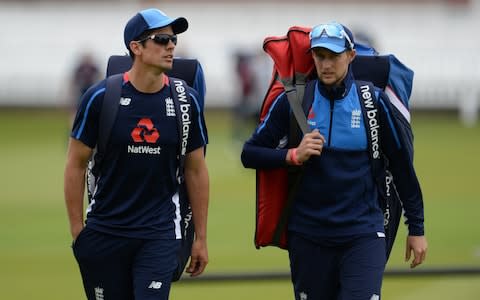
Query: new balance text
{"x": 184, "y": 110}
{"x": 372, "y": 119}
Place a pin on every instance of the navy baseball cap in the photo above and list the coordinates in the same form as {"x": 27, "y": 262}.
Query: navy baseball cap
{"x": 331, "y": 36}
{"x": 148, "y": 19}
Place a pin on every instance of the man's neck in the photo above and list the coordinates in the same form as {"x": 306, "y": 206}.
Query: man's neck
{"x": 337, "y": 90}
{"x": 146, "y": 80}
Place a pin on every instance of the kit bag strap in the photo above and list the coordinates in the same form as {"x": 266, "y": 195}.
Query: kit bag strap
{"x": 183, "y": 104}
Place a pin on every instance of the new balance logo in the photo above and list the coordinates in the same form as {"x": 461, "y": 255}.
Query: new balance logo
{"x": 372, "y": 120}
{"x": 169, "y": 107}
{"x": 155, "y": 285}
{"x": 125, "y": 101}
{"x": 185, "y": 113}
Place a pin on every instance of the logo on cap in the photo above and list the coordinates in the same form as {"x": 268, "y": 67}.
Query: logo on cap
{"x": 324, "y": 33}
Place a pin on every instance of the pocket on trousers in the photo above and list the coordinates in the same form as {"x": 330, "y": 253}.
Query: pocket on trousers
{"x": 75, "y": 242}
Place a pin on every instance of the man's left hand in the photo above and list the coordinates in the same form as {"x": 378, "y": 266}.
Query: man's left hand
{"x": 417, "y": 245}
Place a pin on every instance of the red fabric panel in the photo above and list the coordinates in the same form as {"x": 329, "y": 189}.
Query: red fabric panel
{"x": 279, "y": 50}
{"x": 299, "y": 47}
{"x": 271, "y": 199}
{"x": 290, "y": 56}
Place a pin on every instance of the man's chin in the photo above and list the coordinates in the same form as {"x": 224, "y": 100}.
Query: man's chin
{"x": 328, "y": 80}
{"x": 167, "y": 66}
{"x": 165, "y": 63}
{"x": 164, "y": 67}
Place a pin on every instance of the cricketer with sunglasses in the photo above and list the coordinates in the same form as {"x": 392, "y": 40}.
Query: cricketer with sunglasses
{"x": 336, "y": 238}
{"x": 127, "y": 248}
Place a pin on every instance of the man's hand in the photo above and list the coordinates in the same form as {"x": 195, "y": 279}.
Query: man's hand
{"x": 199, "y": 258}
{"x": 75, "y": 230}
{"x": 417, "y": 245}
{"x": 311, "y": 144}
{"x": 78, "y": 155}
{"x": 196, "y": 179}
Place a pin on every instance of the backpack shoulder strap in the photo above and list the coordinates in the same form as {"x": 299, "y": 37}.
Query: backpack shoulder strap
{"x": 389, "y": 200}
{"x": 295, "y": 174}
{"x": 183, "y": 113}
{"x": 183, "y": 109}
{"x": 368, "y": 102}
{"x": 309, "y": 96}
{"x": 295, "y": 133}
{"x": 108, "y": 114}
{"x": 296, "y": 106}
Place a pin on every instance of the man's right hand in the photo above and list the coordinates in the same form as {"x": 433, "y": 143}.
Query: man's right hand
{"x": 311, "y": 144}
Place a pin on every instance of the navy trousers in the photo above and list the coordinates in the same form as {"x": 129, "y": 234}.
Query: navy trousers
{"x": 120, "y": 268}
{"x": 337, "y": 269}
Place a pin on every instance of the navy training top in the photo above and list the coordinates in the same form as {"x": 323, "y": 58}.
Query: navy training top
{"x": 136, "y": 193}
{"x": 337, "y": 195}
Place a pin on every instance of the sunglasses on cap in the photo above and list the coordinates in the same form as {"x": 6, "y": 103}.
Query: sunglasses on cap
{"x": 161, "y": 39}
{"x": 334, "y": 30}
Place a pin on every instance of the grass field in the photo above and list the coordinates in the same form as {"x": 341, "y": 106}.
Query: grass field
{"x": 36, "y": 260}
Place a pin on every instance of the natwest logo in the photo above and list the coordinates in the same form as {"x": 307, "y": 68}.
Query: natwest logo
{"x": 145, "y": 132}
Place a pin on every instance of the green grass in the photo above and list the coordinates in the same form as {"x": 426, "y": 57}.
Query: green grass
{"x": 35, "y": 255}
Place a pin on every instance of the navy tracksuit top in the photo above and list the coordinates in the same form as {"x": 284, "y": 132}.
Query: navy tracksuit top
{"x": 337, "y": 195}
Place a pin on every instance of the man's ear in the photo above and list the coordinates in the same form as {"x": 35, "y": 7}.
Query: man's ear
{"x": 352, "y": 54}
{"x": 135, "y": 47}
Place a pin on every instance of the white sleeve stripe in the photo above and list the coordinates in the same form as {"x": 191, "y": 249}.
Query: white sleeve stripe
{"x": 397, "y": 103}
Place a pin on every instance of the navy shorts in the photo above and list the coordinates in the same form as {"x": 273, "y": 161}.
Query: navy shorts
{"x": 351, "y": 269}
{"x": 120, "y": 268}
